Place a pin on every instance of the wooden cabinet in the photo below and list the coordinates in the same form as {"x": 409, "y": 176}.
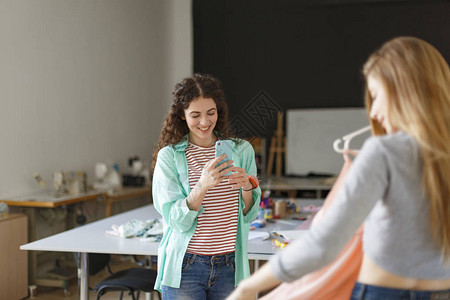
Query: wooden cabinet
{"x": 13, "y": 261}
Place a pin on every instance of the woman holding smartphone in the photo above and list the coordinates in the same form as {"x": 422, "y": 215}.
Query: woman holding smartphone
{"x": 206, "y": 211}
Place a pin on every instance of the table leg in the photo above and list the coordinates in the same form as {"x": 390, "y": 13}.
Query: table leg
{"x": 256, "y": 267}
{"x": 292, "y": 194}
{"x": 32, "y": 214}
{"x": 83, "y": 277}
{"x": 108, "y": 207}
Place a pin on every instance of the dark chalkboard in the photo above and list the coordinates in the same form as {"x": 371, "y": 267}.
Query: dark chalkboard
{"x": 304, "y": 54}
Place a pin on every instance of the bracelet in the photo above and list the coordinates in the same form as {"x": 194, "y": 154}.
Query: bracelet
{"x": 254, "y": 181}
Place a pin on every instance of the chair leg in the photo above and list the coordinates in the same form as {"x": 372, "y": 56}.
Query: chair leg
{"x": 157, "y": 294}
{"x": 121, "y": 295}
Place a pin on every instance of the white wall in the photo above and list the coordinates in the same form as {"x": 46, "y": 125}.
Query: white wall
{"x": 85, "y": 81}
{"x": 180, "y": 43}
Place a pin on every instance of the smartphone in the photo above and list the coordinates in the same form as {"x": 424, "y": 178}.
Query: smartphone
{"x": 224, "y": 147}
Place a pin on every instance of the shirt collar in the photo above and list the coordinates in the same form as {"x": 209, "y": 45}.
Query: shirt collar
{"x": 181, "y": 146}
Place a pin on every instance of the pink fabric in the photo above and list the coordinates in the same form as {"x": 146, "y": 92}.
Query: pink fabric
{"x": 334, "y": 281}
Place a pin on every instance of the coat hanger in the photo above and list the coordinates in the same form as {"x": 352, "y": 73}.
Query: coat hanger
{"x": 347, "y": 138}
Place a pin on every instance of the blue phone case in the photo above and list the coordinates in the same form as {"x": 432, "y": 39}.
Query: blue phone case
{"x": 224, "y": 147}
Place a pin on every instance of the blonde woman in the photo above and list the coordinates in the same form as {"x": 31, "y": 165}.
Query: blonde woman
{"x": 399, "y": 186}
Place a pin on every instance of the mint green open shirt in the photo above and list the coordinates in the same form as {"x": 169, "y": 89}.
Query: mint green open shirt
{"x": 170, "y": 190}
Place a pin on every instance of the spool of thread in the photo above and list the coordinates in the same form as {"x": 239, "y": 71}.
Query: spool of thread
{"x": 33, "y": 291}
{"x": 73, "y": 186}
{"x": 280, "y": 209}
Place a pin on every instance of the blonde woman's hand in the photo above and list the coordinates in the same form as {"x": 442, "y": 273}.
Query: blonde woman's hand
{"x": 242, "y": 293}
{"x": 261, "y": 280}
{"x": 349, "y": 155}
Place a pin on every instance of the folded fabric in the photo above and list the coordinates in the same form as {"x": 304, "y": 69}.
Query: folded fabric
{"x": 149, "y": 230}
{"x": 258, "y": 223}
{"x": 258, "y": 235}
{"x": 334, "y": 281}
{"x": 310, "y": 208}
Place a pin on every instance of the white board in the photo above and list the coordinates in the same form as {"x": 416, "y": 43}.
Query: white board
{"x": 310, "y": 137}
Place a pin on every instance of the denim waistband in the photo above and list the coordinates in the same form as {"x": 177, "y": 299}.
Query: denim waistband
{"x": 213, "y": 259}
{"x": 393, "y": 293}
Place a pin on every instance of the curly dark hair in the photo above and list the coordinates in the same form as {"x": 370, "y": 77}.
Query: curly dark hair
{"x": 186, "y": 91}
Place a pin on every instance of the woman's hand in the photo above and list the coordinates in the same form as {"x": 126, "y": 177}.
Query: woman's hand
{"x": 261, "y": 280}
{"x": 349, "y": 155}
{"x": 212, "y": 174}
{"x": 239, "y": 179}
{"x": 242, "y": 292}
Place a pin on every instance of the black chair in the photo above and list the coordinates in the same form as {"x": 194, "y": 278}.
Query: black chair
{"x": 130, "y": 280}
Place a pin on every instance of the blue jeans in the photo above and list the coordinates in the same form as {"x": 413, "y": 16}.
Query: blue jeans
{"x": 203, "y": 277}
{"x": 372, "y": 292}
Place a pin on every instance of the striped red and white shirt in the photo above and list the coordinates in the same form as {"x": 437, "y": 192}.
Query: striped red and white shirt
{"x": 217, "y": 225}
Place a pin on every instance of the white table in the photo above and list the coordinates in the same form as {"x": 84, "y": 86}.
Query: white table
{"x": 263, "y": 250}
{"x": 91, "y": 238}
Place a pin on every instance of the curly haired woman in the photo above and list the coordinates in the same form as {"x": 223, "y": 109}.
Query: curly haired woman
{"x": 206, "y": 213}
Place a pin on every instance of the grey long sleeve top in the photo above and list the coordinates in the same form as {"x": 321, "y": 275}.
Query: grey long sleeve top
{"x": 383, "y": 189}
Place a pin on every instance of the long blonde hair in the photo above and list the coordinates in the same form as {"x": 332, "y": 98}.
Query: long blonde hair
{"x": 417, "y": 81}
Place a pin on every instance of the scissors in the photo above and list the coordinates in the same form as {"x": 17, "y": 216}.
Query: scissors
{"x": 279, "y": 240}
